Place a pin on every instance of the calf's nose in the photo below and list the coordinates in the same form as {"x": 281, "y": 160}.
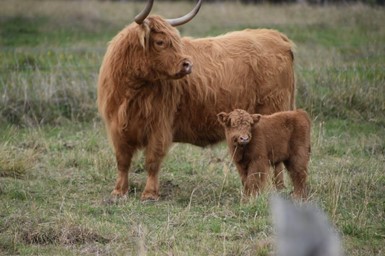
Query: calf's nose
{"x": 244, "y": 139}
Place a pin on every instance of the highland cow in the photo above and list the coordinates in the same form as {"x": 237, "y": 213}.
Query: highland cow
{"x": 258, "y": 141}
{"x": 156, "y": 87}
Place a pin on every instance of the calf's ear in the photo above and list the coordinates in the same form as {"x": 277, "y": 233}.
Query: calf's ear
{"x": 256, "y": 118}
{"x": 223, "y": 118}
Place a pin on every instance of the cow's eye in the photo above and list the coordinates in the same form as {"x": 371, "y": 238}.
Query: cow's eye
{"x": 159, "y": 43}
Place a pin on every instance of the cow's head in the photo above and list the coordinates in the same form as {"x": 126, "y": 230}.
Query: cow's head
{"x": 238, "y": 125}
{"x": 160, "y": 54}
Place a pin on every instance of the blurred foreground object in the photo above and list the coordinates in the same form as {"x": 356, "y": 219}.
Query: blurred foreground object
{"x": 303, "y": 230}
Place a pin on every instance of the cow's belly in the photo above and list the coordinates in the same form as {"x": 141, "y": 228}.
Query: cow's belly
{"x": 197, "y": 123}
{"x": 200, "y": 141}
{"x": 198, "y": 130}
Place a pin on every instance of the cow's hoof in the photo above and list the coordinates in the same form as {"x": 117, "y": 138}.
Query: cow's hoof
{"x": 119, "y": 193}
{"x": 115, "y": 198}
{"x": 149, "y": 197}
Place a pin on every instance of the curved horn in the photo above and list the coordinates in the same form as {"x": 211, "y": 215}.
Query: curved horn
{"x": 146, "y": 11}
{"x": 186, "y": 18}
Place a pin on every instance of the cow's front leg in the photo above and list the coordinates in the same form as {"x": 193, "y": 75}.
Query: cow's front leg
{"x": 155, "y": 152}
{"x": 123, "y": 153}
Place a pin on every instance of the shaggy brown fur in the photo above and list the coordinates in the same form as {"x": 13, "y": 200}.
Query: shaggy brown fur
{"x": 148, "y": 99}
{"x": 257, "y": 141}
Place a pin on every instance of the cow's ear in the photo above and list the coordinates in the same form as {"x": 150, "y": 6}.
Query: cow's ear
{"x": 256, "y": 118}
{"x": 144, "y": 34}
{"x": 223, "y": 118}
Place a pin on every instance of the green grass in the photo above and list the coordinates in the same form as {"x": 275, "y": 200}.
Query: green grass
{"x": 57, "y": 168}
{"x": 60, "y": 203}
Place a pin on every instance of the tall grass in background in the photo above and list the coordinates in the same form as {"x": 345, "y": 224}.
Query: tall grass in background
{"x": 50, "y": 55}
{"x": 48, "y": 86}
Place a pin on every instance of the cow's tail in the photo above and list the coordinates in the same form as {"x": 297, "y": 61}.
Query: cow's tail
{"x": 294, "y": 80}
{"x": 294, "y": 94}
{"x": 291, "y": 50}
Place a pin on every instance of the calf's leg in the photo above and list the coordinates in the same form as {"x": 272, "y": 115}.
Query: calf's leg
{"x": 297, "y": 169}
{"x": 257, "y": 174}
{"x": 278, "y": 176}
{"x": 242, "y": 172}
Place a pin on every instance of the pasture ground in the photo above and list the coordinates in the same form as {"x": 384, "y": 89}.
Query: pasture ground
{"x": 57, "y": 169}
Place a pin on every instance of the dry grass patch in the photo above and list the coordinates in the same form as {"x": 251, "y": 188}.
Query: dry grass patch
{"x": 49, "y": 233}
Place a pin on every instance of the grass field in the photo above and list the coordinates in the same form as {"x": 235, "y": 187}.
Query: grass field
{"x": 57, "y": 169}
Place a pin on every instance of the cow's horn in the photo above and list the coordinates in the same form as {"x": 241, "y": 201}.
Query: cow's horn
{"x": 146, "y": 11}
{"x": 186, "y": 18}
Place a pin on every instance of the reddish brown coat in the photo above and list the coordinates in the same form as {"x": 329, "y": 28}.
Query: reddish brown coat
{"x": 258, "y": 141}
{"x": 148, "y": 98}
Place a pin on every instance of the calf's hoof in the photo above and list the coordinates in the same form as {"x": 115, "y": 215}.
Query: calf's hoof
{"x": 280, "y": 187}
{"x": 300, "y": 196}
{"x": 249, "y": 196}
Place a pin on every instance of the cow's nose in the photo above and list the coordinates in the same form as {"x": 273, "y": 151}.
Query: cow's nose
{"x": 187, "y": 66}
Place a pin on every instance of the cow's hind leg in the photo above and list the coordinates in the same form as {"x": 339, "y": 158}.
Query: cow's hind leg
{"x": 278, "y": 176}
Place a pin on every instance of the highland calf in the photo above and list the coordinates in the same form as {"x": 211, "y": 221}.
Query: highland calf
{"x": 257, "y": 141}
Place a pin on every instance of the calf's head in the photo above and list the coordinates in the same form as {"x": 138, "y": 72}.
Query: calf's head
{"x": 238, "y": 125}
{"x": 155, "y": 47}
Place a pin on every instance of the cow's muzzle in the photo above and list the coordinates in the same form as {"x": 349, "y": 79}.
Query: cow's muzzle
{"x": 185, "y": 68}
